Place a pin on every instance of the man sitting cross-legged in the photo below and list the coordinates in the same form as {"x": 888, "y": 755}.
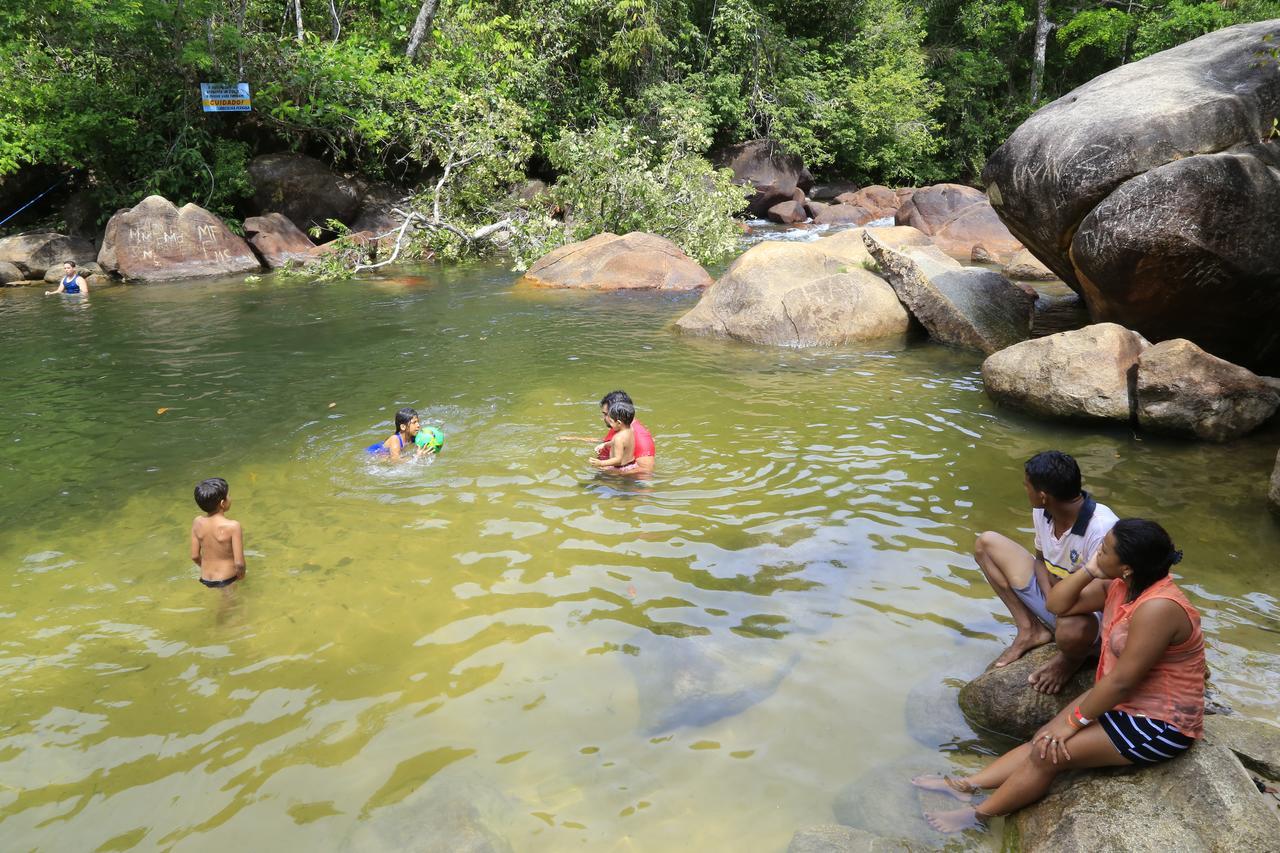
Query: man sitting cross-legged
{"x": 1069, "y": 526}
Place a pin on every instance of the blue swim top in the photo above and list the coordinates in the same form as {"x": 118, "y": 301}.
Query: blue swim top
{"x": 69, "y": 284}
{"x": 378, "y": 448}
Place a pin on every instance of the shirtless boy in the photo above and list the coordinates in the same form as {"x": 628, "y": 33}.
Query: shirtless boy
{"x": 622, "y": 447}
{"x": 1070, "y": 526}
{"x": 217, "y": 542}
{"x": 645, "y": 450}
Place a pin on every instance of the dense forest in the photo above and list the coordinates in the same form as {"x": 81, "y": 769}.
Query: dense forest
{"x": 596, "y": 92}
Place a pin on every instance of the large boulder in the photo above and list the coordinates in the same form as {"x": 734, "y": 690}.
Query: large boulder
{"x": 880, "y": 201}
{"x": 1184, "y": 390}
{"x": 828, "y": 191}
{"x": 789, "y": 212}
{"x": 1085, "y": 374}
{"x": 804, "y": 294}
{"x": 1002, "y": 700}
{"x": 304, "y": 190}
{"x": 9, "y": 272}
{"x": 963, "y": 306}
{"x": 961, "y": 222}
{"x": 155, "y": 241}
{"x": 1255, "y": 743}
{"x": 1149, "y": 191}
{"x": 35, "y": 253}
{"x": 843, "y": 214}
{"x": 774, "y": 174}
{"x": 1202, "y": 800}
{"x": 277, "y": 240}
{"x": 636, "y": 261}
{"x": 89, "y": 269}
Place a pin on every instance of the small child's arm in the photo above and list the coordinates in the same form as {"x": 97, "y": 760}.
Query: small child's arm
{"x": 195, "y": 543}
{"x": 237, "y": 548}
{"x": 615, "y": 454}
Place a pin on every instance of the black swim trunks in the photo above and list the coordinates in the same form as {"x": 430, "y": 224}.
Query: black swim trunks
{"x": 224, "y": 582}
{"x": 1144, "y": 740}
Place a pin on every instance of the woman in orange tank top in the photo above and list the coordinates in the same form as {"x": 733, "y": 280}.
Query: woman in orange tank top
{"x": 1147, "y": 705}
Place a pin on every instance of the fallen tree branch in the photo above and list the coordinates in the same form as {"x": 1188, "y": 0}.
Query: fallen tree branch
{"x": 482, "y": 233}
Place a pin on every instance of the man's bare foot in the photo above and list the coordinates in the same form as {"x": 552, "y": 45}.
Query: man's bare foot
{"x": 1051, "y": 677}
{"x": 1023, "y": 643}
{"x": 949, "y": 785}
{"x": 955, "y": 821}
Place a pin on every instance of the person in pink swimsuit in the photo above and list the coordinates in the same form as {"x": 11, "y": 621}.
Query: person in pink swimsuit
{"x": 1147, "y": 705}
{"x": 645, "y": 452}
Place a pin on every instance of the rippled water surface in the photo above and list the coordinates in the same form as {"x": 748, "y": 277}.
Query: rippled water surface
{"x": 499, "y": 644}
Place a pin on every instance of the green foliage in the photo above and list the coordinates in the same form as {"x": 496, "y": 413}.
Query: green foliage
{"x": 1179, "y": 22}
{"x": 1105, "y": 30}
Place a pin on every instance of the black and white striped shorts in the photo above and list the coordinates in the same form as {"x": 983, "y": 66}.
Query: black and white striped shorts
{"x": 1144, "y": 740}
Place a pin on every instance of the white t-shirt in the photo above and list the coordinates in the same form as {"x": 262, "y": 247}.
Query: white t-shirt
{"x": 1063, "y": 556}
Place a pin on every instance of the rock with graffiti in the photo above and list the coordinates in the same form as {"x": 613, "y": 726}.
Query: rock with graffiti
{"x": 157, "y": 241}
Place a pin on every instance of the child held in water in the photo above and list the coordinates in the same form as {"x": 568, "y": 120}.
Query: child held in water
{"x": 622, "y": 447}
{"x": 217, "y": 542}
{"x": 407, "y": 427}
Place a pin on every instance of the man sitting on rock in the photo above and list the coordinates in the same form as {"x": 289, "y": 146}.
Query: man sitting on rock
{"x": 1070, "y": 526}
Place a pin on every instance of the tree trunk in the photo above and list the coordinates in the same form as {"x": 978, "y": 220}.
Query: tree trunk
{"x": 297, "y": 17}
{"x": 337, "y": 21}
{"x": 421, "y": 27}
{"x": 1042, "y": 42}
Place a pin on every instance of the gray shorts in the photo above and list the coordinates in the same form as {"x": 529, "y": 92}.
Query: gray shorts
{"x": 1034, "y": 598}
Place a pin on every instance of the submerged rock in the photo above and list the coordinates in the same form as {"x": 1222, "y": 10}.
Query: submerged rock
{"x": 1154, "y": 190}
{"x": 1025, "y": 266}
{"x": 932, "y": 711}
{"x": 277, "y": 240}
{"x": 1085, "y": 374}
{"x": 1202, "y": 800}
{"x": 963, "y": 306}
{"x": 155, "y": 241}
{"x": 636, "y": 261}
{"x": 433, "y": 819}
{"x": 696, "y": 681}
{"x": 1184, "y": 390}
{"x": 803, "y": 294}
{"x": 883, "y": 802}
{"x": 36, "y": 252}
{"x": 1001, "y": 700}
{"x": 836, "y": 838}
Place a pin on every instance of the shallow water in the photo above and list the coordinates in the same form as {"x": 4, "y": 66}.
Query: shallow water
{"x": 499, "y": 643}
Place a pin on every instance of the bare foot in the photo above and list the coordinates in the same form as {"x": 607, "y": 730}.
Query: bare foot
{"x": 955, "y": 821}
{"x": 1053, "y": 675}
{"x": 1023, "y": 643}
{"x": 958, "y": 788}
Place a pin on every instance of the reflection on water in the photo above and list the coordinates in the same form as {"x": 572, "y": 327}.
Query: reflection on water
{"x": 499, "y": 645}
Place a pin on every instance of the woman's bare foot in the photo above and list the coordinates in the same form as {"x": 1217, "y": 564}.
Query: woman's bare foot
{"x": 1023, "y": 643}
{"x": 955, "y": 821}
{"x": 1051, "y": 677}
{"x": 949, "y": 785}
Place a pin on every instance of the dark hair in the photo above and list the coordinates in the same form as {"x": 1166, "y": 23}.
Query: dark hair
{"x": 624, "y": 412}
{"x": 404, "y": 416}
{"x": 211, "y": 492}
{"x": 1147, "y": 549}
{"x": 69, "y": 263}
{"x": 612, "y": 397}
{"x": 1054, "y": 472}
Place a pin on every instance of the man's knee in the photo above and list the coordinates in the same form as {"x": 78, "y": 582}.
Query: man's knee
{"x": 1075, "y": 634}
{"x": 985, "y": 544}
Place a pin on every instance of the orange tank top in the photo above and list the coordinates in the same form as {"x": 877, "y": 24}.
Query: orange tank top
{"x": 1173, "y": 690}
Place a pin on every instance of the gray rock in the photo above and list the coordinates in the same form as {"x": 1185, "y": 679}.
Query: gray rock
{"x": 277, "y": 240}
{"x": 883, "y": 802}
{"x": 1184, "y": 390}
{"x": 932, "y": 711}
{"x": 1273, "y": 492}
{"x": 34, "y": 253}
{"x": 835, "y": 838}
{"x": 304, "y": 190}
{"x": 789, "y": 212}
{"x": 1149, "y": 192}
{"x": 155, "y": 241}
{"x": 88, "y": 269}
{"x": 804, "y": 294}
{"x": 1086, "y": 374}
{"x": 774, "y": 174}
{"x": 1255, "y": 743}
{"x": 1200, "y": 801}
{"x": 1001, "y": 700}
{"x": 966, "y": 307}
{"x": 1025, "y": 266}
{"x": 10, "y": 273}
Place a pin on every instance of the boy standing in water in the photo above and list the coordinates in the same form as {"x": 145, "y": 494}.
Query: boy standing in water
{"x": 217, "y": 542}
{"x": 1070, "y": 526}
{"x": 72, "y": 282}
{"x": 644, "y": 447}
{"x": 622, "y": 447}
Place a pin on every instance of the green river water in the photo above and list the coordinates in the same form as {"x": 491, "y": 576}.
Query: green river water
{"x": 499, "y": 644}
